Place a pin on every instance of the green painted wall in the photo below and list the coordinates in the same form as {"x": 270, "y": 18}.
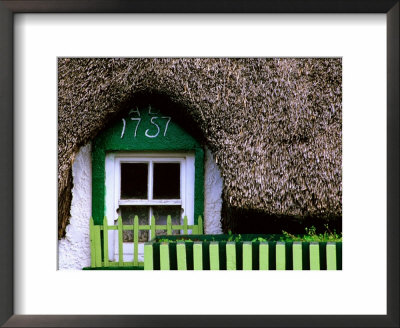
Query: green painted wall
{"x": 143, "y": 129}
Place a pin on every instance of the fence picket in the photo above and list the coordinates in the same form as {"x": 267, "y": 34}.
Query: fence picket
{"x": 200, "y": 225}
{"x": 331, "y": 256}
{"x": 230, "y": 256}
{"x": 169, "y": 225}
{"x": 153, "y": 227}
{"x": 148, "y": 256}
{"x": 297, "y": 256}
{"x": 120, "y": 246}
{"x": 92, "y": 246}
{"x": 247, "y": 255}
{"x": 164, "y": 256}
{"x": 136, "y": 240}
{"x": 314, "y": 256}
{"x": 181, "y": 255}
{"x": 198, "y": 256}
{"x": 97, "y": 245}
{"x": 264, "y": 256}
{"x": 214, "y": 256}
{"x": 105, "y": 241}
{"x": 280, "y": 256}
{"x": 185, "y": 225}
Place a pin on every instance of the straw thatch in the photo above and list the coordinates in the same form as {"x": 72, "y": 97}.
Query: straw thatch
{"x": 273, "y": 125}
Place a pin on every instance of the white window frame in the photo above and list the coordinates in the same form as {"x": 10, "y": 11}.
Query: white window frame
{"x": 113, "y": 189}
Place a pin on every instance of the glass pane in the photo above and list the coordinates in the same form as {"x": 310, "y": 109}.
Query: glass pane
{"x": 160, "y": 214}
{"x": 167, "y": 181}
{"x": 134, "y": 180}
{"x": 128, "y": 213}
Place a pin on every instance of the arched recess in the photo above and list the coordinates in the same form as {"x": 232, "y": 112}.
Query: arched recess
{"x": 147, "y": 132}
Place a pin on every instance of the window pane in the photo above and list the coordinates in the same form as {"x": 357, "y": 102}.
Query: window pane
{"x": 134, "y": 180}
{"x": 160, "y": 214}
{"x": 166, "y": 181}
{"x": 128, "y": 213}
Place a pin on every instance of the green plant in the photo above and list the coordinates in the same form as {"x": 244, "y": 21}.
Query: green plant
{"x": 166, "y": 240}
{"x": 235, "y": 238}
{"x": 260, "y": 239}
{"x": 312, "y": 236}
{"x": 184, "y": 240}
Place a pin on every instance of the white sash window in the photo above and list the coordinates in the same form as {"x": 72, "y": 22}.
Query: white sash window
{"x": 146, "y": 185}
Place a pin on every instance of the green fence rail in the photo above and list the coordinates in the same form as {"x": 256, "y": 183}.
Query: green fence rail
{"x": 99, "y": 241}
{"x": 247, "y": 255}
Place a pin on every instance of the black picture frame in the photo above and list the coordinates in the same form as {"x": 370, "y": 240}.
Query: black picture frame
{"x": 7, "y": 11}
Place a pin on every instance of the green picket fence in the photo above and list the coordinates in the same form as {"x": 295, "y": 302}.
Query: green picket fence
{"x": 206, "y": 255}
{"x": 99, "y": 241}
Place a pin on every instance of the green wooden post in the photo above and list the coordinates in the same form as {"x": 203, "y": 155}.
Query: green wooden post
{"x": 97, "y": 245}
{"x": 297, "y": 255}
{"x": 247, "y": 256}
{"x": 120, "y": 246}
{"x": 164, "y": 256}
{"x": 200, "y": 225}
{"x": 331, "y": 256}
{"x": 280, "y": 255}
{"x": 198, "y": 255}
{"x": 264, "y": 256}
{"x": 181, "y": 255}
{"x": 105, "y": 241}
{"x": 214, "y": 256}
{"x": 136, "y": 240}
{"x": 231, "y": 256}
{"x": 185, "y": 225}
{"x": 314, "y": 256}
{"x": 153, "y": 227}
{"x": 169, "y": 225}
{"x": 92, "y": 249}
{"x": 148, "y": 256}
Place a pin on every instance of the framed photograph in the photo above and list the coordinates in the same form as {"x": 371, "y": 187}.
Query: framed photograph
{"x": 182, "y": 99}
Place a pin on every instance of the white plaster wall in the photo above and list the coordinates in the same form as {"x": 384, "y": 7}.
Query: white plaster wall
{"x": 212, "y": 195}
{"x": 74, "y": 249}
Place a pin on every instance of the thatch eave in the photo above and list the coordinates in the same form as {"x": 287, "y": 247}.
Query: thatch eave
{"x": 274, "y": 125}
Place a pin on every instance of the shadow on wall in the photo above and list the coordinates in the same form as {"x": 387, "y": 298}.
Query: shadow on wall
{"x": 64, "y": 205}
{"x": 240, "y": 220}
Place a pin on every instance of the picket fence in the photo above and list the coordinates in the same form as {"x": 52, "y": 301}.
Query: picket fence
{"x": 99, "y": 241}
{"x": 255, "y": 256}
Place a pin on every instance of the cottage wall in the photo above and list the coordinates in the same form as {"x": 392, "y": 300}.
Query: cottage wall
{"x": 74, "y": 249}
{"x": 212, "y": 195}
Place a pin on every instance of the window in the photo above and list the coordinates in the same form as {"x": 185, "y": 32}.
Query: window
{"x": 146, "y": 185}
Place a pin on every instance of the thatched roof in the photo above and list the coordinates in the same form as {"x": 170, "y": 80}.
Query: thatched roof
{"x": 274, "y": 125}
